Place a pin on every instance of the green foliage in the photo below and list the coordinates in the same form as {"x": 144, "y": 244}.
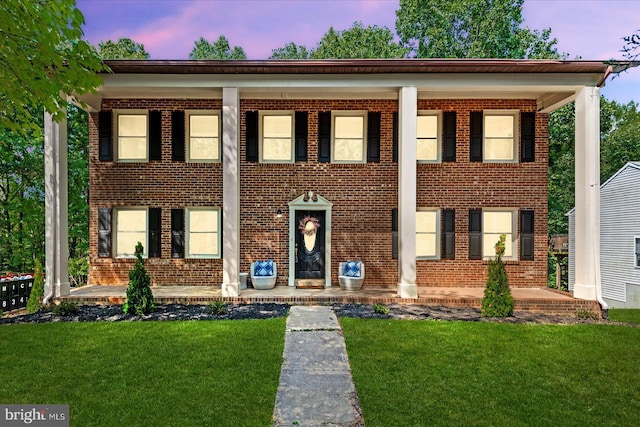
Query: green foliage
{"x": 217, "y": 308}
{"x": 124, "y": 48}
{"x": 78, "y": 270}
{"x": 380, "y": 308}
{"x": 42, "y": 58}
{"x": 37, "y": 291}
{"x": 358, "y": 42}
{"x": 497, "y": 301}
{"x": 139, "y": 295}
{"x": 586, "y": 315}
{"x": 470, "y": 29}
{"x": 290, "y": 51}
{"x": 78, "y": 173}
{"x": 65, "y": 308}
{"x": 219, "y": 49}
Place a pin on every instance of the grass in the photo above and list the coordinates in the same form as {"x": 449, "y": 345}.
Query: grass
{"x": 222, "y": 373}
{"x": 628, "y": 315}
{"x": 412, "y": 373}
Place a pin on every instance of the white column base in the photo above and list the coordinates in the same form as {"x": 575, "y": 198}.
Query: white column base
{"x": 231, "y": 289}
{"x": 62, "y": 289}
{"x": 408, "y": 290}
{"x": 586, "y": 292}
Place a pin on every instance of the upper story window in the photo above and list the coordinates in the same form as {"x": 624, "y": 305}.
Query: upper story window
{"x": 428, "y": 142}
{"x": 203, "y": 136}
{"x": 495, "y": 223}
{"x": 349, "y": 137}
{"x": 131, "y": 228}
{"x": 500, "y": 142}
{"x": 203, "y": 233}
{"x": 637, "y": 252}
{"x": 427, "y": 234}
{"x": 132, "y": 133}
{"x": 276, "y": 128}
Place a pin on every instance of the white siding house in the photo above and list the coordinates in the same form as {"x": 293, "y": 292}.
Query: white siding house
{"x": 619, "y": 238}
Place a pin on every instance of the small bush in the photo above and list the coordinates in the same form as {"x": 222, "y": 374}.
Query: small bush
{"x": 217, "y": 308}
{"x": 37, "y": 292}
{"x": 497, "y": 301}
{"x": 586, "y": 315}
{"x": 139, "y": 295}
{"x": 380, "y": 308}
{"x": 65, "y": 308}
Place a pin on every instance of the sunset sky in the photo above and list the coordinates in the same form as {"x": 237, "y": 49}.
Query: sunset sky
{"x": 589, "y": 29}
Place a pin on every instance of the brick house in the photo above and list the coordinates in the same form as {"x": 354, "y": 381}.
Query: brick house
{"x": 414, "y": 167}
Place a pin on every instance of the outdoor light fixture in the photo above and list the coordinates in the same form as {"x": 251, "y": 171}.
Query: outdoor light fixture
{"x": 279, "y": 213}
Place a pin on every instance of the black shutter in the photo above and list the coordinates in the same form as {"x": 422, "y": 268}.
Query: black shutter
{"x": 448, "y": 234}
{"x": 155, "y": 135}
{"x": 251, "y": 124}
{"x": 526, "y": 235}
{"x": 449, "y": 137}
{"x": 324, "y": 136}
{"x": 373, "y": 137}
{"x": 155, "y": 226}
{"x": 177, "y": 233}
{"x": 105, "y": 140}
{"x": 104, "y": 232}
{"x": 394, "y": 130}
{"x": 394, "y": 233}
{"x": 177, "y": 136}
{"x": 476, "y": 136}
{"x": 527, "y": 137}
{"x": 475, "y": 234}
{"x": 302, "y": 121}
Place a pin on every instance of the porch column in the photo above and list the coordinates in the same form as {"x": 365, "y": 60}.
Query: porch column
{"x": 407, "y": 117}
{"x": 230, "y": 192}
{"x": 56, "y": 208}
{"x": 587, "y": 229}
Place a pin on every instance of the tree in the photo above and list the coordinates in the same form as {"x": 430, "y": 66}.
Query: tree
{"x": 219, "y": 49}
{"x": 42, "y": 57}
{"x": 497, "y": 300}
{"x": 139, "y": 295}
{"x": 37, "y": 291}
{"x": 358, "y": 42}
{"x": 290, "y": 51}
{"x": 631, "y": 48}
{"x": 124, "y": 48}
{"x": 470, "y": 29}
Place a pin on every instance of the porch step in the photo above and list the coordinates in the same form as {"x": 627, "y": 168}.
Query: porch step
{"x": 310, "y": 283}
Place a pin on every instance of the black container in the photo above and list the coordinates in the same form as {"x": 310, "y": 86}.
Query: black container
{"x": 29, "y": 286}
{"x": 4, "y": 289}
{"x": 22, "y": 288}
{"x": 4, "y": 304}
{"x": 14, "y": 288}
{"x": 13, "y": 303}
{"x": 22, "y": 301}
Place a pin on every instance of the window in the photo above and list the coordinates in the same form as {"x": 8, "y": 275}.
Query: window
{"x": 131, "y": 228}
{"x": 277, "y": 136}
{"x": 637, "y": 252}
{"x": 203, "y": 233}
{"x": 349, "y": 137}
{"x": 428, "y": 137}
{"x": 427, "y": 234}
{"x": 500, "y": 143}
{"x": 203, "y": 136}
{"x": 132, "y": 131}
{"x": 495, "y": 223}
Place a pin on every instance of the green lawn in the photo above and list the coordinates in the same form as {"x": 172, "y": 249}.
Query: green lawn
{"x": 418, "y": 373}
{"x": 222, "y": 373}
{"x": 628, "y": 315}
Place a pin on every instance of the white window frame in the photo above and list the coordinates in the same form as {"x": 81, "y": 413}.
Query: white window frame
{"x": 514, "y": 233}
{"x": 187, "y": 127}
{"x": 188, "y": 232}
{"x": 116, "y": 143}
{"x": 438, "y": 114}
{"x": 516, "y": 126}
{"x": 114, "y": 227}
{"x": 349, "y": 113}
{"x": 289, "y": 113}
{"x": 437, "y": 233}
{"x": 636, "y": 251}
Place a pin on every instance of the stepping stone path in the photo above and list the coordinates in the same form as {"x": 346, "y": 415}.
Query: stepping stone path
{"x": 316, "y": 387}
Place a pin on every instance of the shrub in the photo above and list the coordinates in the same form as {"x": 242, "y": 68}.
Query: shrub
{"x": 218, "y": 308}
{"x": 37, "y": 292}
{"x": 586, "y": 315}
{"x": 380, "y": 308}
{"x": 139, "y": 296}
{"x": 65, "y": 308}
{"x": 497, "y": 301}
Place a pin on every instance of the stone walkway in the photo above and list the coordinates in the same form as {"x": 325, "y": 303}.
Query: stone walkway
{"x": 316, "y": 387}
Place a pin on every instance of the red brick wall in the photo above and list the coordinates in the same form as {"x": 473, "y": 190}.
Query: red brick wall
{"x": 362, "y": 196}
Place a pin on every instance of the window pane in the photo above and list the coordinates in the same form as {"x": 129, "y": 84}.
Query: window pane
{"x": 132, "y": 220}
{"x": 203, "y": 244}
{"x": 498, "y": 149}
{"x": 132, "y": 125}
{"x": 348, "y": 150}
{"x": 426, "y": 222}
{"x": 498, "y": 126}
{"x": 203, "y": 125}
{"x": 203, "y": 220}
{"x": 349, "y": 127}
{"x": 203, "y": 149}
{"x": 489, "y": 241}
{"x": 276, "y": 126}
{"x": 127, "y": 242}
{"x": 427, "y": 149}
{"x": 427, "y": 127}
{"x": 132, "y": 148}
{"x": 276, "y": 149}
{"x": 497, "y": 222}
{"x": 131, "y": 228}
{"x": 425, "y": 245}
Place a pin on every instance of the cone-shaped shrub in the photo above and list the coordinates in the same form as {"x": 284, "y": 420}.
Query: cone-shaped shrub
{"x": 37, "y": 291}
{"x": 497, "y": 301}
{"x": 139, "y": 296}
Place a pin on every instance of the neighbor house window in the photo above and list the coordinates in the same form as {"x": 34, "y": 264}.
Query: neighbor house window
{"x": 277, "y": 136}
{"x": 637, "y": 252}
{"x": 349, "y": 137}
{"x": 132, "y": 134}
{"x": 203, "y": 136}
{"x": 427, "y": 234}
{"x": 203, "y": 233}
{"x": 131, "y": 228}
{"x": 428, "y": 137}
{"x": 495, "y": 223}
{"x": 500, "y": 143}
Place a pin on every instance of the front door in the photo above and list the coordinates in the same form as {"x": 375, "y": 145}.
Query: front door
{"x": 309, "y": 251}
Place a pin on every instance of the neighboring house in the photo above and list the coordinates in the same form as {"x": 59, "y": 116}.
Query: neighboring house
{"x": 619, "y": 238}
{"x": 414, "y": 167}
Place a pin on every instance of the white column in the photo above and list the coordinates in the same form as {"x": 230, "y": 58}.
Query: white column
{"x": 230, "y": 192}
{"x": 587, "y": 229}
{"x": 56, "y": 207}
{"x": 407, "y": 117}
